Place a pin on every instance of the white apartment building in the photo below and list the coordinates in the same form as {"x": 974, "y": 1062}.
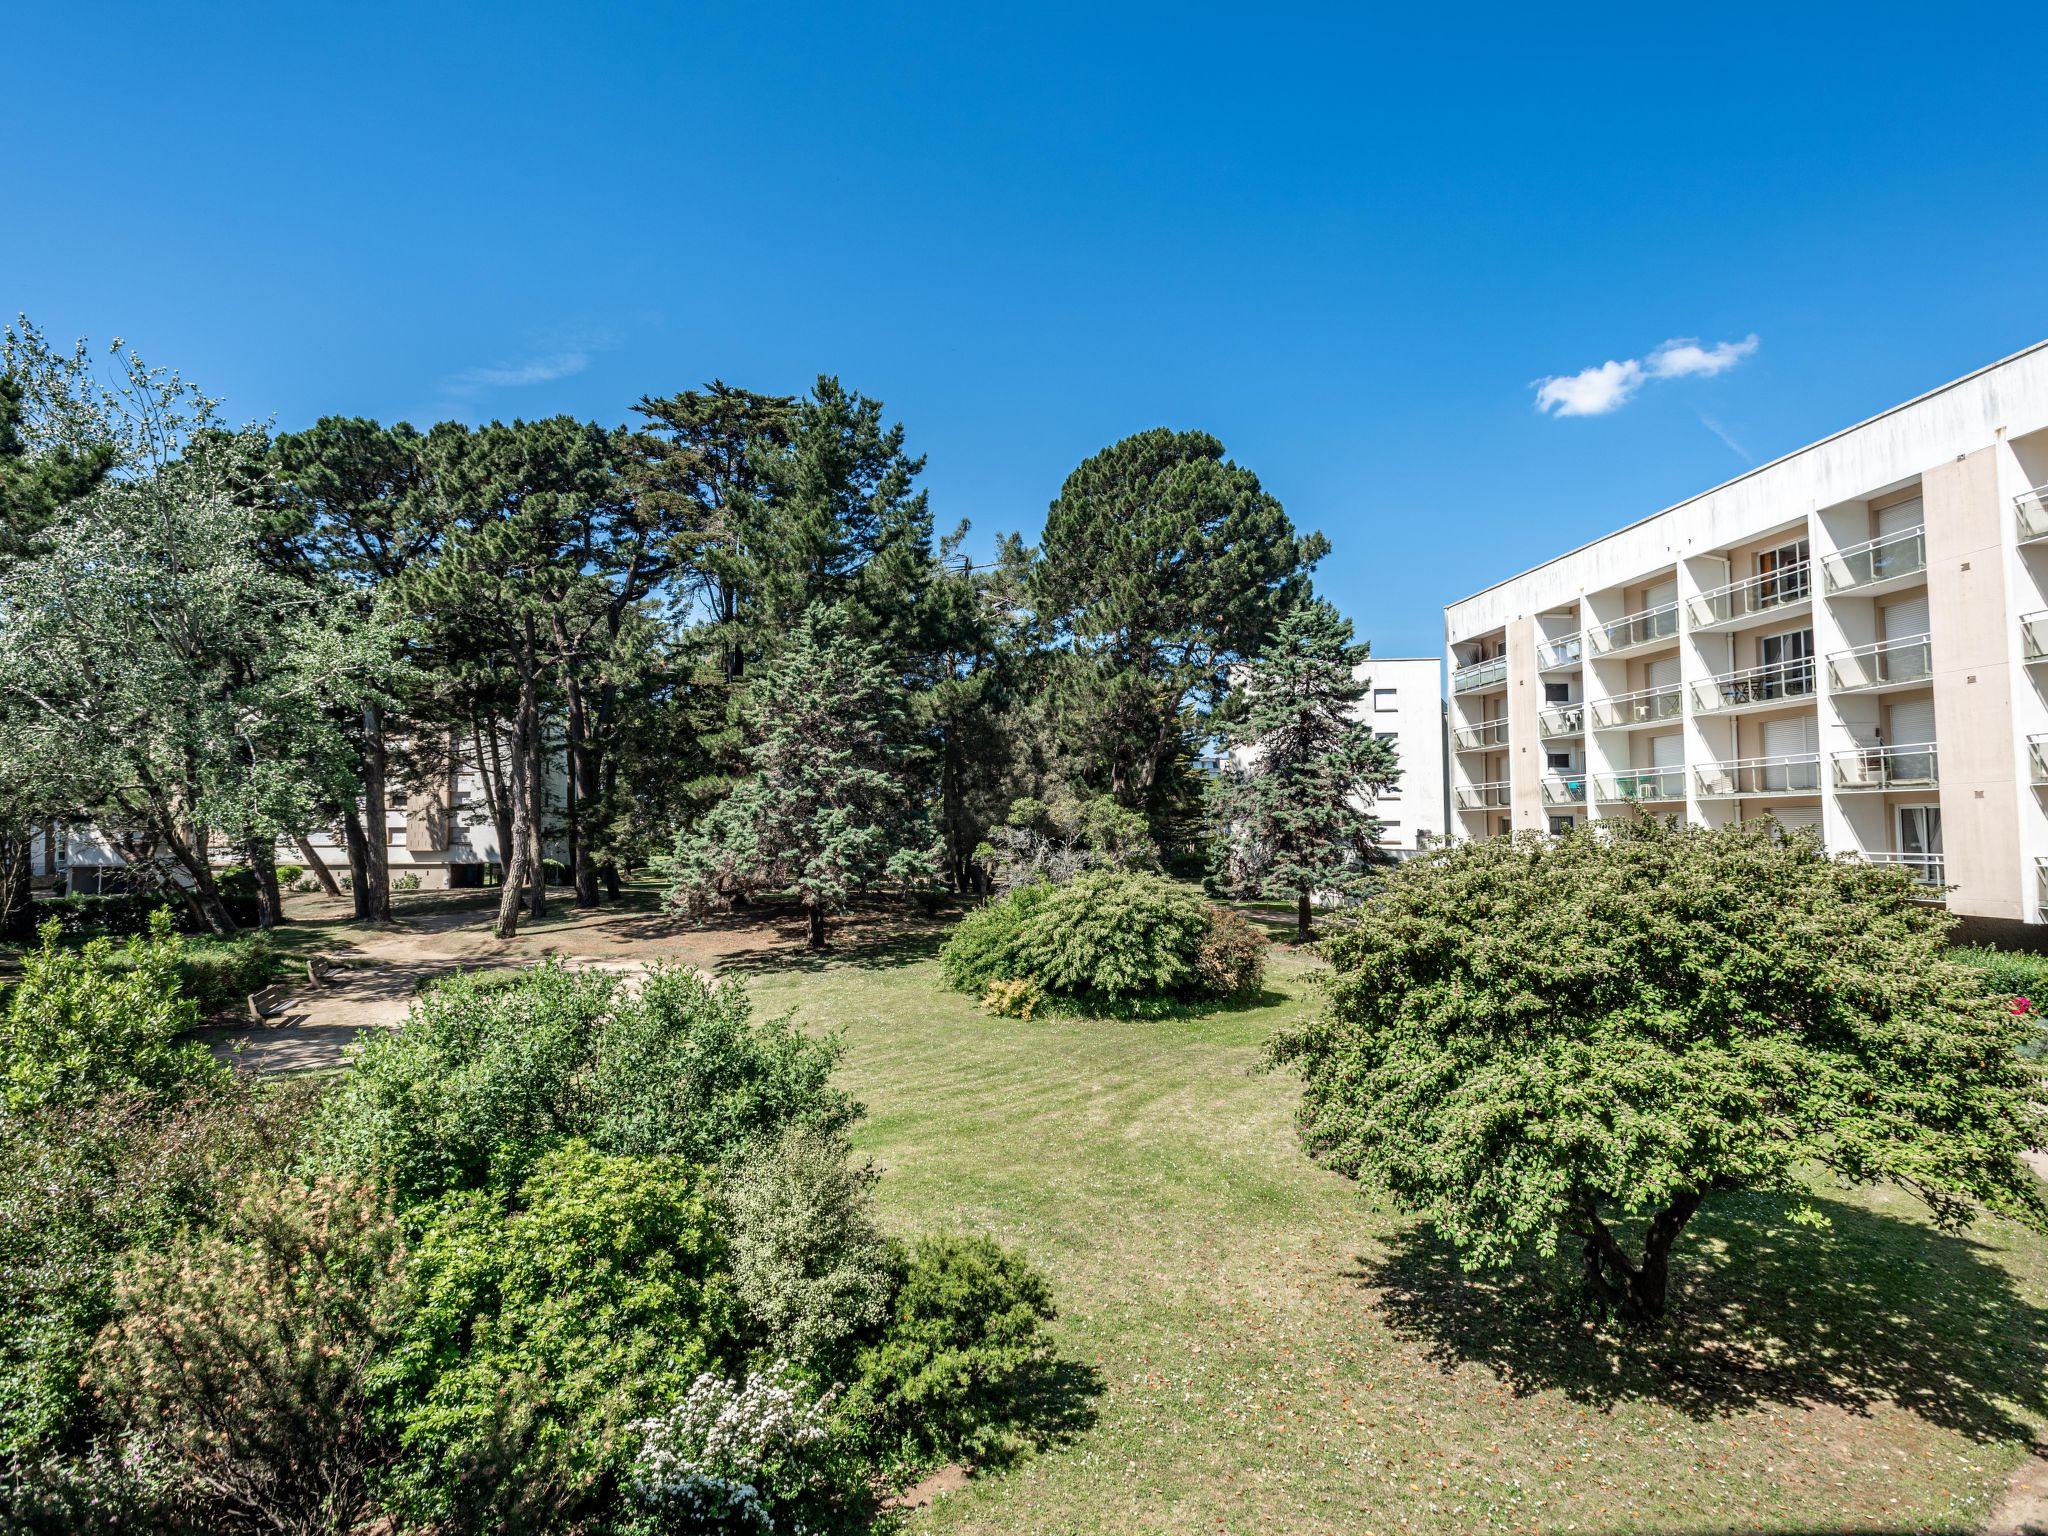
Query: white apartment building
{"x": 1406, "y": 707}
{"x": 1853, "y": 637}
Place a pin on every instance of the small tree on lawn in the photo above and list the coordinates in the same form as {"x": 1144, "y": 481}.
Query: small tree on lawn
{"x": 829, "y": 806}
{"x": 1293, "y": 810}
{"x": 1529, "y": 1041}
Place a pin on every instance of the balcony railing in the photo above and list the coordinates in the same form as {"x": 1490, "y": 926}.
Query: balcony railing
{"x": 1743, "y": 778}
{"x": 1554, "y": 654}
{"x": 2037, "y": 759}
{"x": 1863, "y": 565}
{"x": 1768, "y": 684}
{"x": 1641, "y": 786}
{"x": 2032, "y": 510}
{"x": 2034, "y": 635}
{"x": 1483, "y": 737}
{"x": 1887, "y": 664}
{"x": 1645, "y": 628}
{"x": 1561, "y": 719}
{"x": 1482, "y": 797}
{"x": 1480, "y": 674}
{"x": 1903, "y": 765}
{"x": 1646, "y": 706}
{"x": 1565, "y": 789}
{"x": 1925, "y": 868}
{"x": 1766, "y": 593}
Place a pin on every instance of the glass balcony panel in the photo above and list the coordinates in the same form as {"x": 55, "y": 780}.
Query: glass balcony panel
{"x": 1641, "y": 786}
{"x": 1480, "y": 674}
{"x": 1554, "y": 654}
{"x": 1765, "y": 593}
{"x": 1904, "y": 765}
{"x": 1632, "y": 630}
{"x": 1749, "y": 777}
{"x": 1926, "y": 869}
{"x": 1565, "y": 789}
{"x": 1862, "y": 565}
{"x": 2032, "y": 510}
{"x": 1647, "y": 706}
{"x": 1888, "y": 664}
{"x": 1485, "y": 736}
{"x": 1767, "y": 684}
{"x": 1482, "y": 797}
{"x": 2037, "y": 758}
{"x": 2034, "y": 635}
{"x": 1561, "y": 719}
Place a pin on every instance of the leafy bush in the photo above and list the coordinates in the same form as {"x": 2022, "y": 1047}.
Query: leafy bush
{"x": 95, "y": 1020}
{"x": 595, "y": 1296}
{"x": 740, "y": 1456}
{"x": 128, "y": 913}
{"x": 1018, "y": 999}
{"x": 809, "y": 1265}
{"x": 242, "y": 1354}
{"x": 490, "y": 1072}
{"x": 409, "y": 881}
{"x": 1534, "y": 1042}
{"x": 219, "y": 974}
{"x": 81, "y": 1183}
{"x": 1106, "y": 940}
{"x": 952, "y": 1370}
{"x": 288, "y": 875}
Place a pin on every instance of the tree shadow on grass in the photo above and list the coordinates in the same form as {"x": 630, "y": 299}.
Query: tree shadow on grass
{"x": 1874, "y": 1310}
{"x": 786, "y": 953}
{"x": 1055, "y": 1403}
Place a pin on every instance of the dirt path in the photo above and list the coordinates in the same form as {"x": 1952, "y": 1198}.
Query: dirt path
{"x": 2024, "y": 1509}
{"x": 376, "y": 972}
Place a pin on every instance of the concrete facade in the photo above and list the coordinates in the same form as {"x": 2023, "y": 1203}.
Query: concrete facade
{"x": 1406, "y": 705}
{"x": 1853, "y": 637}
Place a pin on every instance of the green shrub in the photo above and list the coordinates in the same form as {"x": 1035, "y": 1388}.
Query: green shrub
{"x": 127, "y": 913}
{"x": 952, "y": 1372}
{"x": 1107, "y": 940}
{"x": 809, "y": 1265}
{"x": 1018, "y": 999}
{"x": 409, "y": 881}
{"x": 490, "y": 1072}
{"x": 288, "y": 875}
{"x": 82, "y": 1183}
{"x": 219, "y": 974}
{"x": 96, "y": 1020}
{"x": 589, "y": 1300}
{"x": 242, "y": 1355}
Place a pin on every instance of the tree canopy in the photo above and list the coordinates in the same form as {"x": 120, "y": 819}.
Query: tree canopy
{"x": 1536, "y": 1042}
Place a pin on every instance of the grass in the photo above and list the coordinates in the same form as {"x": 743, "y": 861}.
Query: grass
{"x": 1262, "y": 1351}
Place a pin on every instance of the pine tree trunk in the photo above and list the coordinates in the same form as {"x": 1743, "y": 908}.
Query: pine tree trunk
{"x": 1303, "y": 929}
{"x": 261, "y": 856}
{"x": 537, "y": 818}
{"x": 17, "y": 894}
{"x": 376, "y": 906}
{"x": 519, "y": 852}
{"x": 356, "y": 845}
{"x": 817, "y": 915}
{"x": 583, "y": 795}
{"x": 315, "y": 865}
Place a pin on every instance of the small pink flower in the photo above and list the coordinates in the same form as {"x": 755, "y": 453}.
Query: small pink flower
{"x": 2022, "y": 1005}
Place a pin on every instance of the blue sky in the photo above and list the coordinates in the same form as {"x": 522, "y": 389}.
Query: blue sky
{"x": 1349, "y": 243}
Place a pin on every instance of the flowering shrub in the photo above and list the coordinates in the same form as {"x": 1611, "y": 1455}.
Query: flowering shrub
{"x": 1015, "y": 999}
{"x": 733, "y": 1454}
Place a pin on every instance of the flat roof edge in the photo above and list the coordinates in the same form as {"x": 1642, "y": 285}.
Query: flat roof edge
{"x": 1819, "y": 442}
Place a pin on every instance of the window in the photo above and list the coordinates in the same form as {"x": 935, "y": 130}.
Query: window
{"x": 1559, "y": 759}
{"x": 1560, "y": 825}
{"x": 1385, "y": 700}
{"x": 1557, "y": 693}
{"x": 1782, "y": 575}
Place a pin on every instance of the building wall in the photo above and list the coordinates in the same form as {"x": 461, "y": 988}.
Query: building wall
{"x": 1414, "y": 717}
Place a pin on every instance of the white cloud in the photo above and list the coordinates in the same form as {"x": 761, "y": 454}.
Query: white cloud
{"x": 1590, "y": 391}
{"x": 1686, "y": 358}
{"x": 534, "y": 370}
{"x": 1611, "y": 385}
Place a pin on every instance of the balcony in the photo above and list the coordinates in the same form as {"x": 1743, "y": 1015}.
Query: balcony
{"x": 1557, "y": 655}
{"x": 1487, "y": 736}
{"x": 1754, "y": 687}
{"x": 1565, "y": 789}
{"x": 1905, "y": 765}
{"x": 1774, "y": 594}
{"x": 2037, "y": 760}
{"x": 1646, "y": 706}
{"x": 2034, "y": 636}
{"x": 1641, "y": 786}
{"x": 1888, "y": 664}
{"x": 1926, "y": 869}
{"x": 1878, "y": 565}
{"x": 1560, "y": 719}
{"x": 1482, "y": 797}
{"x": 1652, "y": 626}
{"x": 1490, "y": 673}
{"x": 2032, "y": 513}
{"x": 1753, "y": 778}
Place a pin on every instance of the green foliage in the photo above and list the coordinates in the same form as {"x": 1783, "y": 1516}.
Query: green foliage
{"x": 808, "y": 1263}
{"x": 588, "y": 1299}
{"x": 1526, "y": 1040}
{"x": 1018, "y": 999}
{"x": 963, "y": 1343}
{"x": 219, "y": 974}
{"x": 490, "y": 1072}
{"x": 96, "y": 1020}
{"x": 127, "y": 913}
{"x": 1292, "y": 812}
{"x": 1057, "y": 840}
{"x": 1106, "y": 940}
{"x": 242, "y": 1355}
{"x": 81, "y": 1183}
{"x": 828, "y": 806}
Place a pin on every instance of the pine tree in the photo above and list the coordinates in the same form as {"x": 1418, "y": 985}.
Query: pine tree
{"x": 828, "y": 807}
{"x": 1293, "y": 811}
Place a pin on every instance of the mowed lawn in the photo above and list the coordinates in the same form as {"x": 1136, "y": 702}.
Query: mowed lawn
{"x": 1260, "y": 1350}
